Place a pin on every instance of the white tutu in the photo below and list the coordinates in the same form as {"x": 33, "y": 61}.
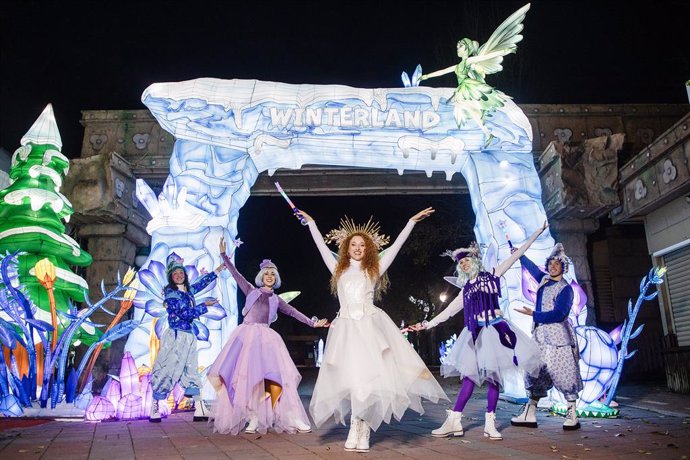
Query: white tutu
{"x": 489, "y": 359}
{"x": 370, "y": 369}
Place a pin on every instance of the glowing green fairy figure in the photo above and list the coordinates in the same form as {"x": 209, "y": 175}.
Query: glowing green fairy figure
{"x": 474, "y": 98}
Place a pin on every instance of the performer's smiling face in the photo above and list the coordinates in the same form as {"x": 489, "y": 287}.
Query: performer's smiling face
{"x": 465, "y": 264}
{"x": 178, "y": 276}
{"x": 356, "y": 248}
{"x": 269, "y": 278}
{"x": 555, "y": 268}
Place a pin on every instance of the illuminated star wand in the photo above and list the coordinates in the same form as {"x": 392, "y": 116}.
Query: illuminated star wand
{"x": 295, "y": 210}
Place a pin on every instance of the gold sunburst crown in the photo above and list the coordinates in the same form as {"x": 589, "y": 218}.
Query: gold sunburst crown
{"x": 348, "y": 227}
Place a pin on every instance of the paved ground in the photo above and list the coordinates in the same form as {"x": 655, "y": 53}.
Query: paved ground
{"x": 654, "y": 424}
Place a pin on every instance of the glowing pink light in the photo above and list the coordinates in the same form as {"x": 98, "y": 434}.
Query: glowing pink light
{"x": 616, "y": 334}
{"x": 100, "y": 409}
{"x": 129, "y": 407}
{"x": 129, "y": 377}
{"x": 178, "y": 394}
{"x": 529, "y": 286}
{"x": 112, "y": 391}
{"x": 146, "y": 393}
{"x": 579, "y": 298}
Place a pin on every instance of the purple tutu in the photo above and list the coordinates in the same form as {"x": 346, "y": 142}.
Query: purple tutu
{"x": 255, "y": 353}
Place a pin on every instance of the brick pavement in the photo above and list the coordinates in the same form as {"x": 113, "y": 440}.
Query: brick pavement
{"x": 638, "y": 433}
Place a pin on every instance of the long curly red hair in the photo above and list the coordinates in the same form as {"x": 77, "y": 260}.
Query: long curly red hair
{"x": 370, "y": 264}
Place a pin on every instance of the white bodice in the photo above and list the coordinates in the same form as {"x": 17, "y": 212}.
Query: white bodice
{"x": 355, "y": 293}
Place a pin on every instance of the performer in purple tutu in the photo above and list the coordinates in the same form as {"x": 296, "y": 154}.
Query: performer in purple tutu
{"x": 489, "y": 349}
{"x": 368, "y": 367}
{"x": 254, "y": 377}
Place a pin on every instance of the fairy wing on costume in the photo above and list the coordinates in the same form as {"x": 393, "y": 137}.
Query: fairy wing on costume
{"x": 289, "y": 296}
{"x": 502, "y": 42}
{"x": 453, "y": 280}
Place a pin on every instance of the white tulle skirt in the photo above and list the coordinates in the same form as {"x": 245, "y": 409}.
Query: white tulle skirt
{"x": 488, "y": 359}
{"x": 371, "y": 370}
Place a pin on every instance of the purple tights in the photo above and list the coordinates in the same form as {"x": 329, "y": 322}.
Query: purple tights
{"x": 466, "y": 392}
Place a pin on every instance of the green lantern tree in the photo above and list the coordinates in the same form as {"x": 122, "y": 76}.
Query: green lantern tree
{"x": 32, "y": 211}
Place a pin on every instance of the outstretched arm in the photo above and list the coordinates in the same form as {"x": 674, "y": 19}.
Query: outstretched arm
{"x": 532, "y": 268}
{"x": 289, "y": 310}
{"x": 392, "y": 251}
{"x": 438, "y": 73}
{"x": 451, "y": 310}
{"x": 563, "y": 304}
{"x": 244, "y": 285}
{"x": 507, "y": 263}
{"x": 200, "y": 284}
{"x": 326, "y": 255}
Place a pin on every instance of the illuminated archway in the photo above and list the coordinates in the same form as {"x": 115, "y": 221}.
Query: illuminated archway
{"x": 229, "y": 131}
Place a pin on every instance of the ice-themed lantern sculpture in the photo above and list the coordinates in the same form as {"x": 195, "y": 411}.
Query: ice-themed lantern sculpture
{"x": 129, "y": 407}
{"x": 229, "y": 131}
{"x": 99, "y": 409}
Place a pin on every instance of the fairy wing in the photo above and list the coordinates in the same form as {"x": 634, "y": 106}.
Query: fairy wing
{"x": 453, "y": 280}
{"x": 289, "y": 296}
{"x": 503, "y": 41}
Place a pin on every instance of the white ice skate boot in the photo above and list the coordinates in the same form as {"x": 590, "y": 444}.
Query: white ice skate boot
{"x": 155, "y": 415}
{"x": 451, "y": 427}
{"x": 528, "y": 417}
{"x": 571, "y": 421}
{"x": 200, "y": 410}
{"x": 351, "y": 442}
{"x": 302, "y": 427}
{"x": 363, "y": 438}
{"x": 490, "y": 430}
{"x": 253, "y": 425}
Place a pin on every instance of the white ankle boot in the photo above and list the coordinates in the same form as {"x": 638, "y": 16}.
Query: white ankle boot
{"x": 155, "y": 415}
{"x": 200, "y": 410}
{"x": 451, "y": 427}
{"x": 302, "y": 427}
{"x": 353, "y": 435}
{"x": 363, "y": 438}
{"x": 490, "y": 430}
{"x": 571, "y": 421}
{"x": 253, "y": 425}
{"x": 528, "y": 417}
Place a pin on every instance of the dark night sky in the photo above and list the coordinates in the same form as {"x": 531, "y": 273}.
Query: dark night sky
{"x": 103, "y": 54}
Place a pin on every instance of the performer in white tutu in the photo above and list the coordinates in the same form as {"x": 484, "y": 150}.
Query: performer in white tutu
{"x": 368, "y": 367}
{"x": 489, "y": 349}
{"x": 254, "y": 377}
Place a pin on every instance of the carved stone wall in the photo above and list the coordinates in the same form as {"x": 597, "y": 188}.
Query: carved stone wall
{"x": 658, "y": 174}
{"x": 107, "y": 214}
{"x": 580, "y": 179}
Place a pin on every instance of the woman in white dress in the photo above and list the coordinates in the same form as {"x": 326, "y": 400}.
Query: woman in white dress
{"x": 369, "y": 368}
